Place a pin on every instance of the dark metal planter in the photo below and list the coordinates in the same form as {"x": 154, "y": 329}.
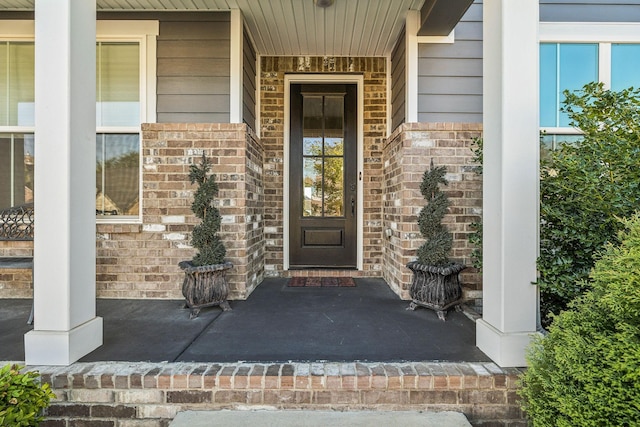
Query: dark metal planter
{"x": 437, "y": 288}
{"x": 205, "y": 286}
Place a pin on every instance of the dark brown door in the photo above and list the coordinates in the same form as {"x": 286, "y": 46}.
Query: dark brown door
{"x": 323, "y": 182}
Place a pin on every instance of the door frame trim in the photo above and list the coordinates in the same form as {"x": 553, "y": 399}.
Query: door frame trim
{"x": 357, "y": 79}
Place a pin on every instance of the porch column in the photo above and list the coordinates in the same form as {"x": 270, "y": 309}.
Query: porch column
{"x": 510, "y": 174}
{"x": 66, "y": 327}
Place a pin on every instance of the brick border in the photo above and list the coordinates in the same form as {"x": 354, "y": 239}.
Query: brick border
{"x": 151, "y": 394}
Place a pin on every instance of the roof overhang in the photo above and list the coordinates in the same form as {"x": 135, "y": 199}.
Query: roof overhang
{"x": 439, "y": 17}
{"x": 299, "y": 27}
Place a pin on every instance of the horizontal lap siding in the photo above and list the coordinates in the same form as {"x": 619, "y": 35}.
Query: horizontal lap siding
{"x": 398, "y": 82}
{"x": 589, "y": 11}
{"x": 194, "y": 70}
{"x": 450, "y": 75}
{"x": 249, "y": 83}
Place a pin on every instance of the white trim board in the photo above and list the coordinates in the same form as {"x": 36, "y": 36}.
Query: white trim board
{"x": 324, "y": 78}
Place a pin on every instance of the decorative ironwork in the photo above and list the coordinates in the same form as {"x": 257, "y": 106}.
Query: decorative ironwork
{"x": 16, "y": 223}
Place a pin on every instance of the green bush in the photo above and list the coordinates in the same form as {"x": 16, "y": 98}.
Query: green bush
{"x": 435, "y": 250}
{"x": 584, "y": 188}
{"x": 205, "y": 237}
{"x": 22, "y": 397}
{"x": 586, "y": 372}
{"x": 475, "y": 238}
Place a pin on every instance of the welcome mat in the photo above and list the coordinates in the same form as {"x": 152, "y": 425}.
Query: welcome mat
{"x": 321, "y": 282}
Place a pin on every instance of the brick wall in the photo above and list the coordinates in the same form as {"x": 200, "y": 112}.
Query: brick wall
{"x": 16, "y": 282}
{"x": 150, "y": 395}
{"x": 272, "y": 135}
{"x": 407, "y": 154}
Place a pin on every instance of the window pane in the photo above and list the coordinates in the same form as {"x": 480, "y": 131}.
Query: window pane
{"x": 333, "y": 186}
{"x": 625, "y": 63}
{"x": 118, "y": 84}
{"x": 17, "y": 84}
{"x": 548, "y": 84}
{"x": 334, "y": 125}
{"x": 563, "y": 67}
{"x": 578, "y": 66}
{"x": 312, "y": 125}
{"x": 312, "y": 186}
{"x": 117, "y": 174}
{"x": 16, "y": 169}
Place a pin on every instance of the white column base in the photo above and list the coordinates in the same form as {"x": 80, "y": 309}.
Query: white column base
{"x": 62, "y": 347}
{"x": 506, "y": 349}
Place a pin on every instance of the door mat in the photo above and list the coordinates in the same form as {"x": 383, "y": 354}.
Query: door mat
{"x": 321, "y": 282}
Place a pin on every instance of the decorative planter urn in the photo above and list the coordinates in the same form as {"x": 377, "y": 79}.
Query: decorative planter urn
{"x": 437, "y": 288}
{"x": 205, "y": 286}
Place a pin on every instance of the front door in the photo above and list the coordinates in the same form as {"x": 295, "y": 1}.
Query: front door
{"x": 323, "y": 181}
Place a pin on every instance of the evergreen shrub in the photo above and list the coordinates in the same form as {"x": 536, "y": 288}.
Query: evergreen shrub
{"x": 585, "y": 187}
{"x": 22, "y": 397}
{"x": 435, "y": 250}
{"x": 586, "y": 371}
{"x": 205, "y": 236}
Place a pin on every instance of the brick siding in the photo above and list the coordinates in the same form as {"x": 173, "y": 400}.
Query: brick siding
{"x": 272, "y": 134}
{"x": 150, "y": 395}
{"x": 407, "y": 154}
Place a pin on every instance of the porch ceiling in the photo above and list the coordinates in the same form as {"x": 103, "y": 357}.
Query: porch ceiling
{"x": 292, "y": 27}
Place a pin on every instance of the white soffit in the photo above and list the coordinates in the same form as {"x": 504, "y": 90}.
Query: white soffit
{"x": 291, "y": 27}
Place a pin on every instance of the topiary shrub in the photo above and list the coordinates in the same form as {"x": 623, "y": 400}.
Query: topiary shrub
{"x": 584, "y": 189}
{"x": 22, "y": 397}
{"x": 586, "y": 371}
{"x": 435, "y": 250}
{"x": 205, "y": 235}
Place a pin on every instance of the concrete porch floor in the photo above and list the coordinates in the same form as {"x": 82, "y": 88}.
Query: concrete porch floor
{"x": 351, "y": 351}
{"x": 276, "y": 324}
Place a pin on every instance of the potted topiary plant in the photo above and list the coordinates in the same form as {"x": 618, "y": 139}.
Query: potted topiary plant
{"x": 205, "y": 282}
{"x": 435, "y": 282}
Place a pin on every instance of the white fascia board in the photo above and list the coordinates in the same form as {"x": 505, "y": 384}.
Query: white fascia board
{"x": 236, "y": 72}
{"x": 593, "y": 32}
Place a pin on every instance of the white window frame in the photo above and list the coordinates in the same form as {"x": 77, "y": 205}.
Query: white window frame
{"x": 603, "y": 33}
{"x": 143, "y": 32}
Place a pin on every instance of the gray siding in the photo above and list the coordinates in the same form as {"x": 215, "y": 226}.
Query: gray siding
{"x": 398, "y": 82}
{"x": 193, "y": 64}
{"x": 450, "y": 75}
{"x": 193, "y": 70}
{"x": 249, "y": 82}
{"x": 589, "y": 10}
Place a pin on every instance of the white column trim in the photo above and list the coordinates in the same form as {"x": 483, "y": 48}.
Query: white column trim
{"x": 65, "y": 326}
{"x": 510, "y": 179}
{"x": 236, "y": 61}
{"x": 411, "y": 66}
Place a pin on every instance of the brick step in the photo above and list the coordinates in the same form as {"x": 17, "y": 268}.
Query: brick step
{"x": 139, "y": 394}
{"x": 266, "y": 418}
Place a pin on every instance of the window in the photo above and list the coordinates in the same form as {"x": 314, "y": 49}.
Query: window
{"x": 16, "y": 122}
{"x": 574, "y": 54}
{"x": 125, "y": 98}
{"x": 118, "y": 127}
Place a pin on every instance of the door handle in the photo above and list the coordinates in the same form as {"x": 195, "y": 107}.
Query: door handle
{"x": 353, "y": 206}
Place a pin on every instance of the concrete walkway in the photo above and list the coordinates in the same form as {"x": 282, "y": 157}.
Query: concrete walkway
{"x": 266, "y": 418}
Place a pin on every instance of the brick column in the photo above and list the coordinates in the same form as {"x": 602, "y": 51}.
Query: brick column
{"x": 407, "y": 154}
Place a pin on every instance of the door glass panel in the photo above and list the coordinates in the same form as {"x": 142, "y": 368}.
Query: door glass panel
{"x": 333, "y": 186}
{"x": 312, "y": 125}
{"x": 334, "y": 125}
{"x": 312, "y": 187}
{"x": 323, "y": 155}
